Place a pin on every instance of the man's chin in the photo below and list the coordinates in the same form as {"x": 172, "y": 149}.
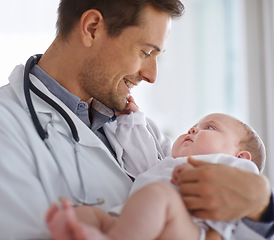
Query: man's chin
{"x": 119, "y": 108}
{"x": 122, "y": 106}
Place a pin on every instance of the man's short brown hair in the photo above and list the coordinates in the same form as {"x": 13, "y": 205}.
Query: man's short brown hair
{"x": 117, "y": 14}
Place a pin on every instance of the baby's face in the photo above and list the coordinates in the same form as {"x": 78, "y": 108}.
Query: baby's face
{"x": 215, "y": 133}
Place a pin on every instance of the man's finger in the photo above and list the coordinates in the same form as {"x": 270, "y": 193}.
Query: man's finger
{"x": 197, "y": 163}
{"x": 189, "y": 175}
{"x": 193, "y": 203}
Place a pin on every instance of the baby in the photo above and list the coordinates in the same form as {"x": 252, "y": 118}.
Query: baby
{"x": 155, "y": 209}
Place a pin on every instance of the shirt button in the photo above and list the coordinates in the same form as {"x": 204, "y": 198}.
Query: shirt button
{"x": 82, "y": 106}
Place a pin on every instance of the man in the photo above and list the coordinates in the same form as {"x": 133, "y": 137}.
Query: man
{"x": 102, "y": 49}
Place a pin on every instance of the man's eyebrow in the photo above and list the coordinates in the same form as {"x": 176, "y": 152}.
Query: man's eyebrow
{"x": 156, "y": 48}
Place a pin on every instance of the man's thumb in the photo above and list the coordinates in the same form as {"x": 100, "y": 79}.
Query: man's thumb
{"x": 194, "y": 162}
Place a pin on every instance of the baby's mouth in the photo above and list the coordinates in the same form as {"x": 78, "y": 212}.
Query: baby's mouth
{"x": 187, "y": 139}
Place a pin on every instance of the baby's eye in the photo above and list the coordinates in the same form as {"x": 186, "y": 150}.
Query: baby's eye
{"x": 210, "y": 128}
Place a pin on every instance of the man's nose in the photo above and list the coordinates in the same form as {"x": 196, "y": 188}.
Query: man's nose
{"x": 148, "y": 71}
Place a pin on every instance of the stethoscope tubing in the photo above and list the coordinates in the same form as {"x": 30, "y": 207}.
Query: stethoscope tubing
{"x": 28, "y": 85}
{"x": 30, "y": 63}
{"x": 43, "y": 133}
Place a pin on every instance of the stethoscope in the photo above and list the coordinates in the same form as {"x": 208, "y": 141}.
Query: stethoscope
{"x": 43, "y": 133}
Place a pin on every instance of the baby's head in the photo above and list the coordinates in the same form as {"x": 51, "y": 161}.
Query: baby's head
{"x": 221, "y": 133}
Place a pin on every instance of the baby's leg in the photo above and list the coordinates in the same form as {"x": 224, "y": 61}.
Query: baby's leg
{"x": 57, "y": 222}
{"x": 95, "y": 229}
{"x": 154, "y": 212}
{"x": 81, "y": 231}
{"x": 94, "y": 216}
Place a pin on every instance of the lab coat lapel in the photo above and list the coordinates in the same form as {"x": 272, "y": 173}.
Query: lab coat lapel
{"x": 17, "y": 80}
{"x": 87, "y": 137}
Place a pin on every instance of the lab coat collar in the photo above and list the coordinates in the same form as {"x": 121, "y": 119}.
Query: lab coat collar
{"x": 87, "y": 137}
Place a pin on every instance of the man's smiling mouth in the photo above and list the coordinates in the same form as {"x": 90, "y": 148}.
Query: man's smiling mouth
{"x": 129, "y": 84}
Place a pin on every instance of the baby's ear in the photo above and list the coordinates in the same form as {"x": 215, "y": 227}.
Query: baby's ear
{"x": 244, "y": 154}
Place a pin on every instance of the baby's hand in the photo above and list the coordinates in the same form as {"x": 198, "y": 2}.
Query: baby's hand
{"x": 131, "y": 107}
{"x": 177, "y": 170}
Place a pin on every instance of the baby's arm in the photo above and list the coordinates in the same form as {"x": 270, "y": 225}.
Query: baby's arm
{"x": 139, "y": 147}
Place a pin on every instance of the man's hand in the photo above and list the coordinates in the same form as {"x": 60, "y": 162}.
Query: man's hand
{"x": 177, "y": 171}
{"x": 220, "y": 192}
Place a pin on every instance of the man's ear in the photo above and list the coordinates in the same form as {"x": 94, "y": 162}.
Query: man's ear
{"x": 90, "y": 22}
{"x": 244, "y": 154}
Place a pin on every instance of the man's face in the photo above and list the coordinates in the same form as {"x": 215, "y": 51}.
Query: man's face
{"x": 215, "y": 133}
{"x": 119, "y": 63}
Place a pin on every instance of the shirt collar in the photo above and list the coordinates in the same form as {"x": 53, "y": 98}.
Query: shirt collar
{"x": 73, "y": 102}
{"x": 69, "y": 99}
{"x": 101, "y": 108}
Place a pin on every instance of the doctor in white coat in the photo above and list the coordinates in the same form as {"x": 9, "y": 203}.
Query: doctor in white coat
{"x": 102, "y": 50}
{"x": 33, "y": 176}
{"x": 30, "y": 177}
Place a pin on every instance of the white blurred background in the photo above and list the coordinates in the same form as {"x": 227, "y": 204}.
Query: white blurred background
{"x": 219, "y": 58}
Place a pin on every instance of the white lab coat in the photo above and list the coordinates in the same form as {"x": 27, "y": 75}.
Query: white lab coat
{"x": 30, "y": 179}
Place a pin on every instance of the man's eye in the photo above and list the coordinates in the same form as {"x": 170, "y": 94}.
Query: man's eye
{"x": 146, "y": 54}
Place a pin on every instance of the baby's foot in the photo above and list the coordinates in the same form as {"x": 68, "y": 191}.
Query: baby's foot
{"x": 85, "y": 232}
